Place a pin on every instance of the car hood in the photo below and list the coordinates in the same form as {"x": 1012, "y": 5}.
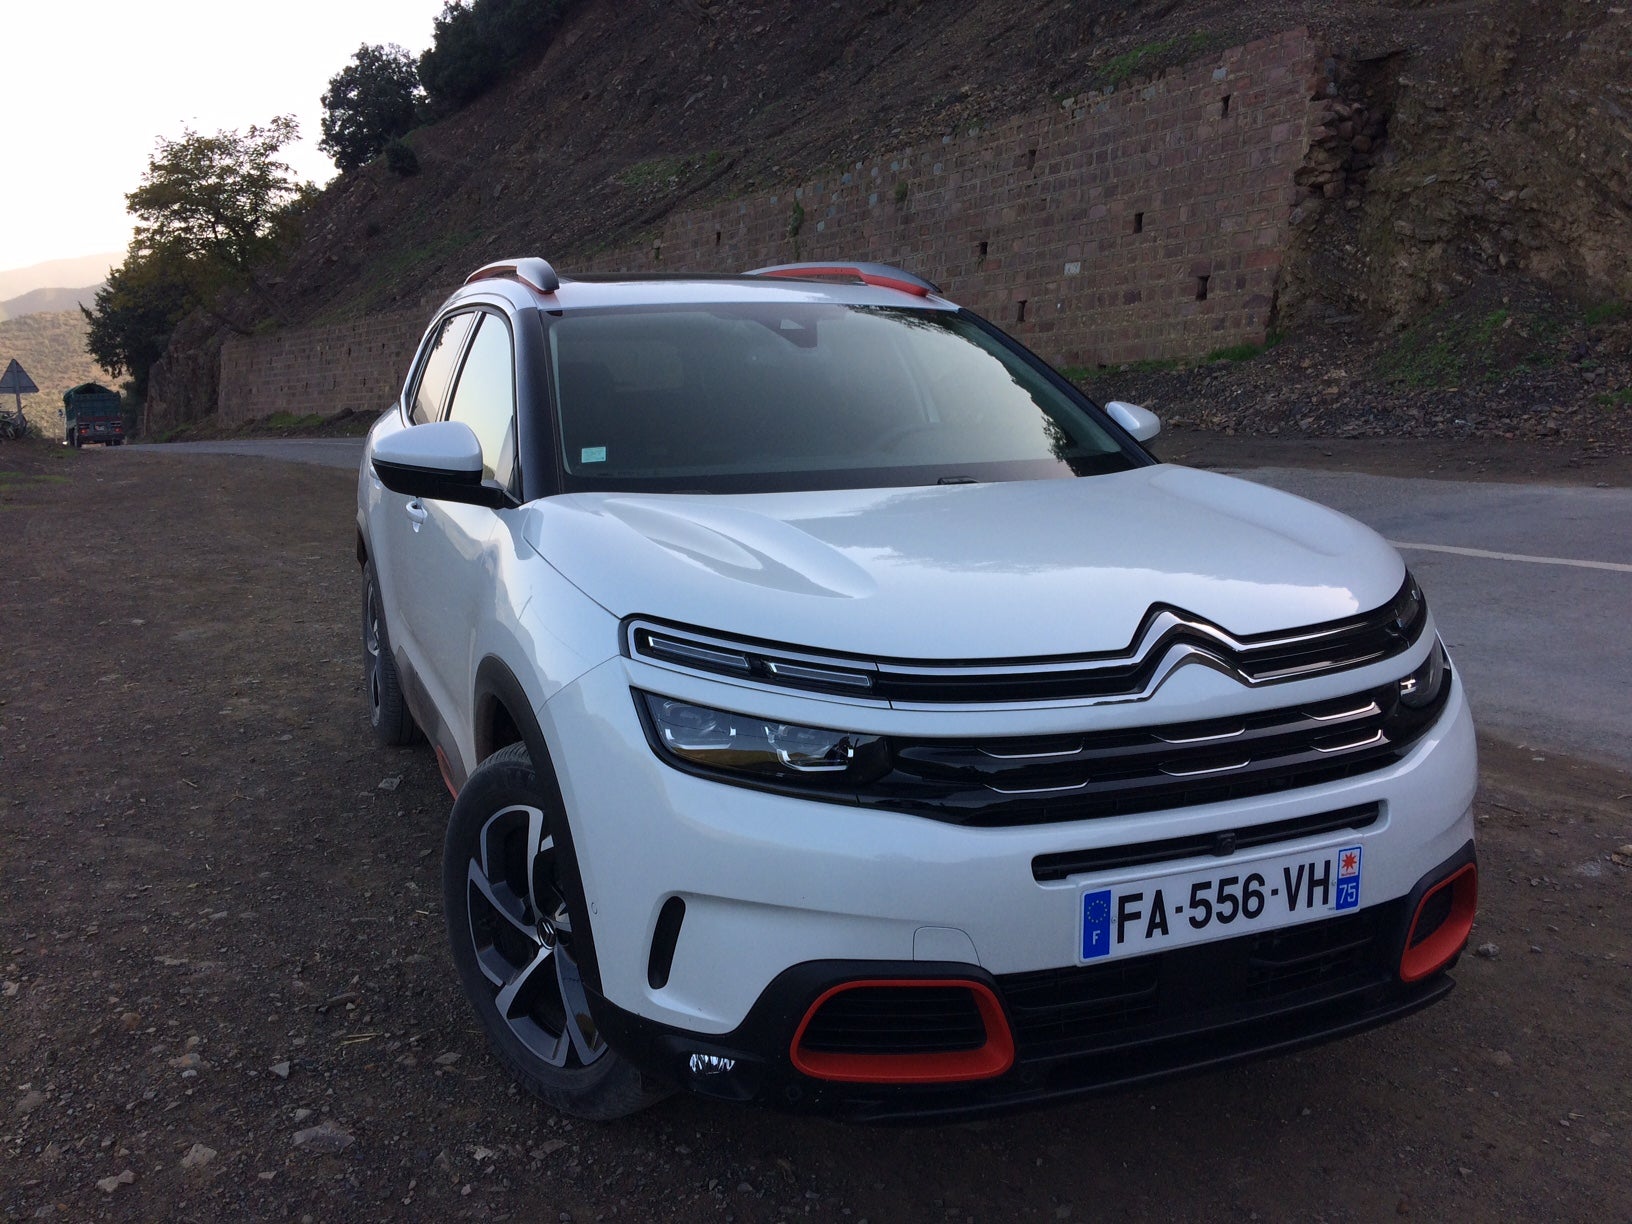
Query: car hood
{"x": 1053, "y": 567}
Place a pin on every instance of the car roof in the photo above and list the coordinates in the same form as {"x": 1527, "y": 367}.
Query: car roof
{"x": 564, "y": 294}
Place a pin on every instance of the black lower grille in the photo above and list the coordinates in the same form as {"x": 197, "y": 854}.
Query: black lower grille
{"x": 1046, "y": 867}
{"x": 1101, "y": 1008}
{"x": 896, "y": 1020}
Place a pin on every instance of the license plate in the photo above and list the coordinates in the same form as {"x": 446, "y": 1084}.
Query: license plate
{"x": 1218, "y": 902}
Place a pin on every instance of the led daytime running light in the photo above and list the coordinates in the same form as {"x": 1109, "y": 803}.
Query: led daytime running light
{"x": 741, "y": 744}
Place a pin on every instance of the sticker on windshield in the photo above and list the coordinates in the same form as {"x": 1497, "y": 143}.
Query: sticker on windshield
{"x": 592, "y": 454}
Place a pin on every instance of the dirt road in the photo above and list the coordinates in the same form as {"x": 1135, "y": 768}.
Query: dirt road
{"x": 224, "y": 993}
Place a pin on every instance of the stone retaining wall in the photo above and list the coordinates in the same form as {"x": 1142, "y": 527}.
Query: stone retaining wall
{"x": 1147, "y": 222}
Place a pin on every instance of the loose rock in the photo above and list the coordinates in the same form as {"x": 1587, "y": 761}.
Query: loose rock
{"x": 197, "y": 1156}
{"x": 326, "y": 1138}
{"x": 109, "y": 1184}
{"x": 1487, "y": 950}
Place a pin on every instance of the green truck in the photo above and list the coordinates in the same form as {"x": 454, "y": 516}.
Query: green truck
{"x": 92, "y": 413}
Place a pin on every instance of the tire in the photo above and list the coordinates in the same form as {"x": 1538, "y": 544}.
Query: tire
{"x": 510, "y": 926}
{"x": 387, "y": 711}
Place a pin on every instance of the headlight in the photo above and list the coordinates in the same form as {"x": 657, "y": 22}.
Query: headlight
{"x": 1422, "y": 687}
{"x": 1408, "y": 608}
{"x": 718, "y": 740}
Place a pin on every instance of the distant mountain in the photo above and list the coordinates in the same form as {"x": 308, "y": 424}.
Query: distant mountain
{"x": 85, "y": 270}
{"x": 48, "y": 301}
{"x": 51, "y": 348}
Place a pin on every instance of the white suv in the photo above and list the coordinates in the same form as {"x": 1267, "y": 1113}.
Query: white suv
{"x": 845, "y": 714}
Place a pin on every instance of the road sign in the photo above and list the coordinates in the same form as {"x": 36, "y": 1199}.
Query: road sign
{"x": 15, "y": 381}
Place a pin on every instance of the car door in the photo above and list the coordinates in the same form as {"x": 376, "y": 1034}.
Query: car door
{"x": 456, "y": 552}
{"x": 396, "y": 522}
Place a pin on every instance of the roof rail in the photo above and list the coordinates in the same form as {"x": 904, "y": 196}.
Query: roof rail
{"x": 868, "y": 273}
{"x": 532, "y": 271}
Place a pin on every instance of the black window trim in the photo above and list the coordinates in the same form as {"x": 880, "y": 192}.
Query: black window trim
{"x": 514, "y": 484}
{"x": 424, "y": 355}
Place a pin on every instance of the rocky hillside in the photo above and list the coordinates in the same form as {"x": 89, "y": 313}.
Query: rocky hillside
{"x": 1464, "y": 142}
{"x": 1500, "y": 138}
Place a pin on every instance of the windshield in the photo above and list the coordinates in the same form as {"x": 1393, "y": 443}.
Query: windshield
{"x": 800, "y": 395}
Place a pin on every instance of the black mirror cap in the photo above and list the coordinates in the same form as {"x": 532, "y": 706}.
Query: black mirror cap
{"x": 442, "y": 484}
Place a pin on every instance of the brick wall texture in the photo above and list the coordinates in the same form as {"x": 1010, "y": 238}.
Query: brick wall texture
{"x": 358, "y": 365}
{"x": 1146, "y": 222}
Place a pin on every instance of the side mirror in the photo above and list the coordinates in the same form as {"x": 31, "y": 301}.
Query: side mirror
{"x": 441, "y": 460}
{"x": 1140, "y": 422}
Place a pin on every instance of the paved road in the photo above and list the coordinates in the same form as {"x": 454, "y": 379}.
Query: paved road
{"x": 1531, "y": 586}
{"x": 1532, "y": 589}
{"x": 330, "y": 452}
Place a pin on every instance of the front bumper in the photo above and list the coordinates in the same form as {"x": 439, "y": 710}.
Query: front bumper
{"x": 775, "y": 885}
{"x": 1076, "y": 1031}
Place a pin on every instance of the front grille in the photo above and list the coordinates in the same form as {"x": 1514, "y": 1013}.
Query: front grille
{"x": 1167, "y": 638}
{"x": 896, "y": 1020}
{"x": 1103, "y": 1008}
{"x": 1001, "y": 782}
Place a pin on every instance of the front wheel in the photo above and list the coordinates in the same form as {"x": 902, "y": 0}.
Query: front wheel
{"x": 513, "y": 935}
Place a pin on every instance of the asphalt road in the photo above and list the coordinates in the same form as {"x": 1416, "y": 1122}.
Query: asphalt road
{"x": 1531, "y": 586}
{"x": 329, "y": 452}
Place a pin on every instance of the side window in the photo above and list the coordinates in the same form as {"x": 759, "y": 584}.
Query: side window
{"x": 436, "y": 372}
{"x": 485, "y": 398}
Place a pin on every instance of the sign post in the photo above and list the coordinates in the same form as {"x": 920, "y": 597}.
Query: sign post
{"x": 17, "y": 382}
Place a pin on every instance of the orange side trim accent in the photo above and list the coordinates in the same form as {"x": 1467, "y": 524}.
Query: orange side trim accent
{"x": 1436, "y": 951}
{"x": 447, "y": 777}
{"x": 986, "y": 1062}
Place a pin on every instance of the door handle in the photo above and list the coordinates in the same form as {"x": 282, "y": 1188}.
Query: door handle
{"x": 417, "y": 513}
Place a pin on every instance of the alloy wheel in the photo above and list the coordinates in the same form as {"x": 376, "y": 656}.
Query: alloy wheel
{"x": 522, "y": 934}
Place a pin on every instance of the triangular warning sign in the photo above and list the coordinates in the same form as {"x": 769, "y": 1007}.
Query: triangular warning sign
{"x": 15, "y": 381}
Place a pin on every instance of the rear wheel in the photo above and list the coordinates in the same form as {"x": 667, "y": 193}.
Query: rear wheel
{"x": 514, "y": 934}
{"x": 387, "y": 711}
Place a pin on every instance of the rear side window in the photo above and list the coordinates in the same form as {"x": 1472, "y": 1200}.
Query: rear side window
{"x": 436, "y": 370}
{"x": 485, "y": 398}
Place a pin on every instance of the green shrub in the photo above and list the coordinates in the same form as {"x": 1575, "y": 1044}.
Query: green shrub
{"x": 1605, "y": 312}
{"x": 401, "y": 159}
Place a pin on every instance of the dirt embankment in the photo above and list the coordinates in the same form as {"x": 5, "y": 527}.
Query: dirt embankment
{"x": 224, "y": 992}
{"x": 1463, "y": 142}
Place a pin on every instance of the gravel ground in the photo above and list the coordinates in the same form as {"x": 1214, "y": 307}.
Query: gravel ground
{"x": 224, "y": 992}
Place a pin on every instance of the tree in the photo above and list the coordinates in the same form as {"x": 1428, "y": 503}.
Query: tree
{"x": 136, "y": 312}
{"x": 369, "y": 103}
{"x": 474, "y": 42}
{"x": 209, "y": 211}
{"x": 213, "y": 207}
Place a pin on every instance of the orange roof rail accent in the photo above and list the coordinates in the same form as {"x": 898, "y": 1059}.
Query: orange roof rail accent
{"x": 882, "y": 275}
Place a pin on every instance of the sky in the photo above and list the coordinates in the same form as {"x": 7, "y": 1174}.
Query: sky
{"x": 89, "y": 86}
